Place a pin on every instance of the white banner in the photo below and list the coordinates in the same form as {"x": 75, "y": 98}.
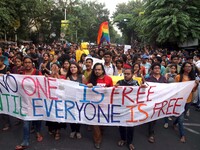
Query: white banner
{"x": 41, "y": 98}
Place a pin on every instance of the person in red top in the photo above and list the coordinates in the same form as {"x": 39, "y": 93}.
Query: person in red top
{"x": 30, "y": 70}
{"x": 99, "y": 78}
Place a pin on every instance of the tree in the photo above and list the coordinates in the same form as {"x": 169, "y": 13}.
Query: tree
{"x": 126, "y": 17}
{"x": 171, "y": 21}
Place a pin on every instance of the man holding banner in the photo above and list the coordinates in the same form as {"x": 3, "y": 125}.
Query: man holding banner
{"x": 155, "y": 77}
{"x": 127, "y": 133}
{"x": 99, "y": 78}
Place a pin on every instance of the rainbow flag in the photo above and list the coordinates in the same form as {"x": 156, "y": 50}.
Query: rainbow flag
{"x": 103, "y": 33}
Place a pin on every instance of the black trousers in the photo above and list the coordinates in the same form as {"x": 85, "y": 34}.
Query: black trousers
{"x": 75, "y": 127}
{"x": 127, "y": 134}
{"x": 151, "y": 125}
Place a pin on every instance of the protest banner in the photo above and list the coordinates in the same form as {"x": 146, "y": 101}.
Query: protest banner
{"x": 50, "y": 99}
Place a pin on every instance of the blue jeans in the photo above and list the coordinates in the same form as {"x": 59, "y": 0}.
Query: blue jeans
{"x": 166, "y": 120}
{"x": 179, "y": 120}
{"x": 26, "y": 130}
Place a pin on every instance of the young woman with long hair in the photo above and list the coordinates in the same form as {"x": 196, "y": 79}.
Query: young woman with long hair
{"x": 74, "y": 74}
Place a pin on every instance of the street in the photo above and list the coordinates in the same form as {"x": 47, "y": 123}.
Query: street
{"x": 166, "y": 139}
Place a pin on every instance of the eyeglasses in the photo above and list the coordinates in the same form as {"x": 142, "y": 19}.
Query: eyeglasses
{"x": 29, "y": 62}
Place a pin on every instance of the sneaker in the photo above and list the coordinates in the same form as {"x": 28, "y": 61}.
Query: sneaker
{"x": 97, "y": 145}
{"x": 72, "y": 135}
{"x": 166, "y": 125}
{"x": 78, "y": 135}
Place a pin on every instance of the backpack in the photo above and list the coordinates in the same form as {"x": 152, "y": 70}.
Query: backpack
{"x": 113, "y": 66}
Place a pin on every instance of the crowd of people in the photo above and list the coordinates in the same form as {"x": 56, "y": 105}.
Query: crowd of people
{"x": 72, "y": 62}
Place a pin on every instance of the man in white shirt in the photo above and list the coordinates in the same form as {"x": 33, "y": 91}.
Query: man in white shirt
{"x": 110, "y": 69}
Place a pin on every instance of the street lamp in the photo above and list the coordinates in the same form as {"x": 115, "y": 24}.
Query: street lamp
{"x": 65, "y": 3}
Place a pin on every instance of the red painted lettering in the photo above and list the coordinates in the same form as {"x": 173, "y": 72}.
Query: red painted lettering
{"x": 39, "y": 87}
{"x": 176, "y": 105}
{"x": 159, "y": 107}
{"x": 169, "y": 106}
{"x": 139, "y": 93}
{"x": 124, "y": 94}
{"x": 51, "y": 87}
{"x": 112, "y": 94}
{"x": 29, "y": 91}
{"x": 150, "y": 92}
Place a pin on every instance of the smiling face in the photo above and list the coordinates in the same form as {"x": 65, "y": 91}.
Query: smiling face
{"x": 73, "y": 69}
{"x": 136, "y": 68}
{"x": 88, "y": 64}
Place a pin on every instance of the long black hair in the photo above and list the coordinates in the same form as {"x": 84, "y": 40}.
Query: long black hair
{"x": 93, "y": 77}
{"x": 69, "y": 73}
{"x": 191, "y": 74}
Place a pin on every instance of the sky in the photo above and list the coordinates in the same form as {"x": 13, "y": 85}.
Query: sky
{"x": 111, "y": 4}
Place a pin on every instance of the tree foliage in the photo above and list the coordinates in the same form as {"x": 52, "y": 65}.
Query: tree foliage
{"x": 38, "y": 19}
{"x": 164, "y": 21}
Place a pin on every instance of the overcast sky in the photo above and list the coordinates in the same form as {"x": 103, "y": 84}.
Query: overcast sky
{"x": 111, "y": 4}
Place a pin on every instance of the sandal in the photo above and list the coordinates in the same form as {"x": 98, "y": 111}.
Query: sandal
{"x": 121, "y": 143}
{"x": 151, "y": 139}
{"x": 20, "y": 147}
{"x": 131, "y": 147}
{"x": 39, "y": 137}
{"x": 183, "y": 139}
{"x": 57, "y": 136}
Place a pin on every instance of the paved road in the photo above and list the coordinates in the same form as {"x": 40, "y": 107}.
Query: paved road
{"x": 166, "y": 139}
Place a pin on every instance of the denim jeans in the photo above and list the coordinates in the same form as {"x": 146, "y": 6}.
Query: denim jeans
{"x": 179, "y": 120}
{"x": 166, "y": 120}
{"x": 26, "y": 130}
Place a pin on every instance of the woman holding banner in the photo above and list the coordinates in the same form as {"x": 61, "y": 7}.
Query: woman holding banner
{"x": 54, "y": 127}
{"x": 186, "y": 74}
{"x": 74, "y": 74}
{"x": 30, "y": 70}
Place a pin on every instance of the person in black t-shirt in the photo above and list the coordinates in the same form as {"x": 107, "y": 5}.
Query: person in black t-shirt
{"x": 126, "y": 133}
